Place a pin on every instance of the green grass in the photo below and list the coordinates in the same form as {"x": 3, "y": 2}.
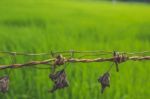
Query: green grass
{"x": 42, "y": 26}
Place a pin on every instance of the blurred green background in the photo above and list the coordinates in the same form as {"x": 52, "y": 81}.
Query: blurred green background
{"x": 45, "y": 25}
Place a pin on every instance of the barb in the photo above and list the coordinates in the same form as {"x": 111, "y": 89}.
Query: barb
{"x": 72, "y": 60}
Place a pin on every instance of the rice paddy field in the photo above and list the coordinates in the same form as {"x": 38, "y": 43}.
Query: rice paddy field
{"x": 46, "y": 25}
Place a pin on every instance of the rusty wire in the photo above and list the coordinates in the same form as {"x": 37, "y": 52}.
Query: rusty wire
{"x": 72, "y": 60}
{"x": 59, "y": 58}
{"x": 69, "y": 51}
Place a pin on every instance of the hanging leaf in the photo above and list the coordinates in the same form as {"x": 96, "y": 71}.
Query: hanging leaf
{"x": 105, "y": 81}
{"x": 4, "y": 81}
{"x": 59, "y": 79}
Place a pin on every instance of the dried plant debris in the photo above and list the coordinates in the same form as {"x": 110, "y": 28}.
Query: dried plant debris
{"x": 59, "y": 79}
{"x": 119, "y": 58}
{"x": 105, "y": 81}
{"x": 4, "y": 81}
{"x": 60, "y": 60}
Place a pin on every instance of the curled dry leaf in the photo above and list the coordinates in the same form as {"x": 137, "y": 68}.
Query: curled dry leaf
{"x": 59, "y": 79}
{"x": 105, "y": 81}
{"x": 4, "y": 81}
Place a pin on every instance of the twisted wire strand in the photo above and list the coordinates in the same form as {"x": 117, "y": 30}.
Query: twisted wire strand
{"x": 72, "y": 60}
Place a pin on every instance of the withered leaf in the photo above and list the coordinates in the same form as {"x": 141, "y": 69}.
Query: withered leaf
{"x": 105, "y": 81}
{"x": 4, "y": 81}
{"x": 59, "y": 79}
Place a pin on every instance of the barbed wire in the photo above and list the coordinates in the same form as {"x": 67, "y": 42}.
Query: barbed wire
{"x": 73, "y": 60}
{"x": 58, "y": 58}
{"x": 70, "y": 51}
{"x": 70, "y": 59}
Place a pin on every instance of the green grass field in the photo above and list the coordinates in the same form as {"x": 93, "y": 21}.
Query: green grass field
{"x": 44, "y": 25}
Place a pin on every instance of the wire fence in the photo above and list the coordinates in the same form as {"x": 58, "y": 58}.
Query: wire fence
{"x": 135, "y": 56}
{"x": 57, "y": 58}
